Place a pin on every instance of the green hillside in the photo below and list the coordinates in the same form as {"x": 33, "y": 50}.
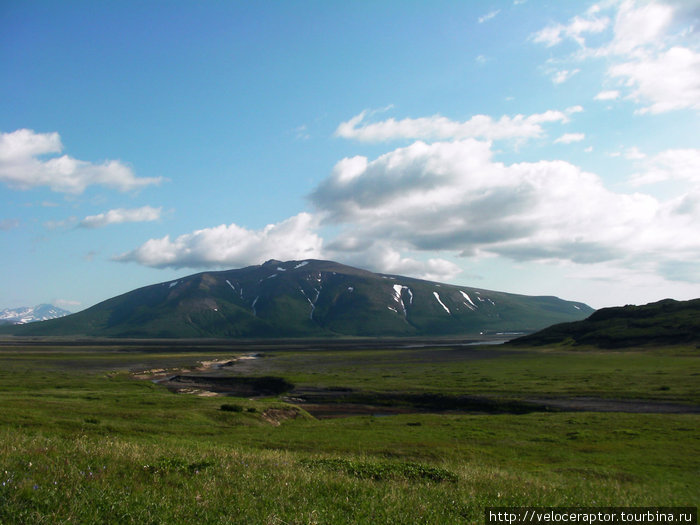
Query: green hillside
{"x": 307, "y": 299}
{"x": 666, "y": 322}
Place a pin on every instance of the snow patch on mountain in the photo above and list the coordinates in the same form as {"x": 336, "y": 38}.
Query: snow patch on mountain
{"x": 312, "y": 302}
{"x": 437, "y": 296}
{"x": 470, "y": 303}
{"x": 398, "y": 292}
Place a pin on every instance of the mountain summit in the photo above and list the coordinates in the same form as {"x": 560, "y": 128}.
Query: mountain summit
{"x": 309, "y": 298}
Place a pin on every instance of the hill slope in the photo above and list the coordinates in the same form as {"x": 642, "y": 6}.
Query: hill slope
{"x": 666, "y": 322}
{"x": 308, "y": 299}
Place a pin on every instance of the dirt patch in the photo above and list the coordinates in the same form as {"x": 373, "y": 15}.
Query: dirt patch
{"x": 275, "y": 416}
{"x": 157, "y": 374}
{"x": 163, "y": 375}
{"x": 215, "y": 364}
{"x": 196, "y": 392}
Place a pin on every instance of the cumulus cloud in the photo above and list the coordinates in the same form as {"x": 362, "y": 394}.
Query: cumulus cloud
{"x": 667, "y": 81}
{"x": 672, "y": 164}
{"x": 453, "y": 197}
{"x": 658, "y": 69}
{"x": 661, "y": 76}
{"x": 441, "y": 128}
{"x": 638, "y": 25}
{"x": 22, "y": 167}
{"x": 568, "y": 138}
{"x": 231, "y": 245}
{"x": 120, "y": 215}
{"x": 380, "y": 256}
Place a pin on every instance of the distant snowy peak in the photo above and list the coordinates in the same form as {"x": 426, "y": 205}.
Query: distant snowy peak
{"x": 30, "y": 314}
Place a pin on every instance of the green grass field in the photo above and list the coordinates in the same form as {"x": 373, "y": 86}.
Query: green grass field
{"x": 82, "y": 441}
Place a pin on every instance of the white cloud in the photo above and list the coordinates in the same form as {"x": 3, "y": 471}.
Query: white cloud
{"x": 382, "y": 257}
{"x": 672, "y": 164}
{"x": 634, "y": 153}
{"x": 575, "y": 30}
{"x": 607, "y": 95}
{"x": 21, "y": 167}
{"x": 121, "y": 215}
{"x": 231, "y": 245}
{"x": 604, "y": 283}
{"x": 657, "y": 69}
{"x": 638, "y": 25}
{"x": 452, "y": 197}
{"x": 661, "y": 77}
{"x": 488, "y": 16}
{"x": 294, "y": 238}
{"x": 568, "y": 138}
{"x": 668, "y": 81}
{"x": 24, "y": 143}
{"x": 441, "y": 128}
{"x": 559, "y": 77}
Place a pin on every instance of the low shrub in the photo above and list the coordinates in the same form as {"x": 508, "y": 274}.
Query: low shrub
{"x": 229, "y": 407}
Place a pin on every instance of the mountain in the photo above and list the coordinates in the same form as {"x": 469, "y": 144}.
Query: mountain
{"x": 666, "y": 322}
{"x": 31, "y": 314}
{"x": 309, "y": 298}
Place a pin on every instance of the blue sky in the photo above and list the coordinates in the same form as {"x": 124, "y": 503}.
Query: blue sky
{"x": 544, "y": 148}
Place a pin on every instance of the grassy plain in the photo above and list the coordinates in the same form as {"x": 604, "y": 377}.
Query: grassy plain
{"x": 82, "y": 441}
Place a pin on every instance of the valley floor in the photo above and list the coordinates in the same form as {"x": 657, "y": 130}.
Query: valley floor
{"x": 97, "y": 433}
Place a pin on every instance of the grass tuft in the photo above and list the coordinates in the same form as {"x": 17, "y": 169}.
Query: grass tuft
{"x": 381, "y": 470}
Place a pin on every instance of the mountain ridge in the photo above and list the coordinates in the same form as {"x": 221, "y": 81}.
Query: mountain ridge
{"x": 308, "y": 298}
{"x": 665, "y": 322}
